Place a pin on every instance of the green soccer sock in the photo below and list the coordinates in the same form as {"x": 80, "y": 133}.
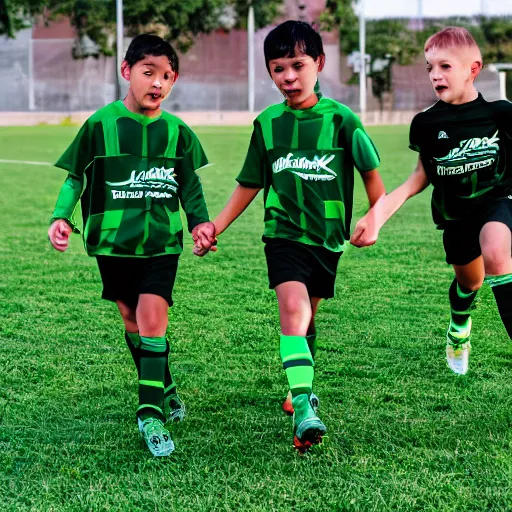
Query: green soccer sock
{"x": 297, "y": 363}
{"x": 502, "y": 289}
{"x": 133, "y": 341}
{"x": 153, "y": 361}
{"x": 461, "y": 300}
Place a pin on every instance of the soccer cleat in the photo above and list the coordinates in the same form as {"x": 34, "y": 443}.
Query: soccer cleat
{"x": 308, "y": 430}
{"x": 174, "y": 407}
{"x": 288, "y": 406}
{"x": 157, "y": 437}
{"x": 458, "y": 348}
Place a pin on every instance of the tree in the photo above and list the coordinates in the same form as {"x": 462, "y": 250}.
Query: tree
{"x": 387, "y": 42}
{"x": 15, "y": 14}
{"x": 177, "y": 21}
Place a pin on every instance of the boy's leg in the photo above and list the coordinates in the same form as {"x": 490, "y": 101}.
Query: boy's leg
{"x": 311, "y": 340}
{"x": 462, "y": 293}
{"x": 496, "y": 241}
{"x": 152, "y": 319}
{"x": 131, "y": 334}
{"x": 174, "y": 407}
{"x": 295, "y": 315}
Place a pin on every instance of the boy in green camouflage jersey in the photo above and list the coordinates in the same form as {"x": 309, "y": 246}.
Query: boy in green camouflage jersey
{"x": 465, "y": 152}
{"x": 132, "y": 165}
{"x": 302, "y": 154}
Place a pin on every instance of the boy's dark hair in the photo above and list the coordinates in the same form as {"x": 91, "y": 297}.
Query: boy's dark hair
{"x": 282, "y": 41}
{"x": 149, "y": 44}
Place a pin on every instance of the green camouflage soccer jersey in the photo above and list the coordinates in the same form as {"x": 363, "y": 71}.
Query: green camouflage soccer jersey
{"x": 466, "y": 151}
{"x": 304, "y": 160}
{"x": 134, "y": 172}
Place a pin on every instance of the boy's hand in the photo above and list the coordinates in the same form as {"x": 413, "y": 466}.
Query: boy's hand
{"x": 204, "y": 238}
{"x": 59, "y": 234}
{"x": 366, "y": 231}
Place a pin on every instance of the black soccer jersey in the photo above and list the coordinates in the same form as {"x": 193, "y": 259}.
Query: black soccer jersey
{"x": 467, "y": 154}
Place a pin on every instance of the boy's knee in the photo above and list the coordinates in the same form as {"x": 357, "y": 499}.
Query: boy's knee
{"x": 496, "y": 261}
{"x": 293, "y": 305}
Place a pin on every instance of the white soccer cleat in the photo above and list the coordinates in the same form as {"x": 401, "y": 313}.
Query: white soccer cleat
{"x": 458, "y": 348}
{"x": 157, "y": 437}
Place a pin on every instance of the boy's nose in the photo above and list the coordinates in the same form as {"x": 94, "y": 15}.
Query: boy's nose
{"x": 290, "y": 77}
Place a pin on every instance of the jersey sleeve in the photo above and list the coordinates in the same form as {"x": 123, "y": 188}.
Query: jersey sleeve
{"x": 504, "y": 115}
{"x": 364, "y": 153}
{"x": 80, "y": 154}
{"x": 414, "y": 136}
{"x": 253, "y": 171}
{"x": 190, "y": 190}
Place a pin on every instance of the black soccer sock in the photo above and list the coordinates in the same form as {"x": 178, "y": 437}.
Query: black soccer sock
{"x": 133, "y": 341}
{"x": 461, "y": 300}
{"x": 311, "y": 338}
{"x": 153, "y": 361}
{"x": 502, "y": 289}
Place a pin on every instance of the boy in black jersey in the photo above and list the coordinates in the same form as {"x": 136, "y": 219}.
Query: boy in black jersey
{"x": 465, "y": 150}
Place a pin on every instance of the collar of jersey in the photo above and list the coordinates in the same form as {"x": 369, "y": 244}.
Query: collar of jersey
{"x": 141, "y": 118}
{"x": 304, "y": 112}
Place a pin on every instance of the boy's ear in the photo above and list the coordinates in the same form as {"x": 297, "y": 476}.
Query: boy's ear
{"x": 125, "y": 70}
{"x": 476, "y": 67}
{"x": 321, "y": 62}
{"x": 175, "y": 79}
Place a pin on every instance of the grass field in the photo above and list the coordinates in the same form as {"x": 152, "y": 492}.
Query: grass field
{"x": 404, "y": 433}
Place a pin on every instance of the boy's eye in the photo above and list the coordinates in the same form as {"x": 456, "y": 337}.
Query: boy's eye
{"x": 147, "y": 73}
{"x": 446, "y": 66}
{"x": 297, "y": 65}
{"x": 429, "y": 68}
{"x": 278, "y": 69}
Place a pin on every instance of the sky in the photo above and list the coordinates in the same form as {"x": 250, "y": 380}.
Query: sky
{"x": 436, "y": 8}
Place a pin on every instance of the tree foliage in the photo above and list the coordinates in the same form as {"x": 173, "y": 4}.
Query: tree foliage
{"x": 177, "y": 21}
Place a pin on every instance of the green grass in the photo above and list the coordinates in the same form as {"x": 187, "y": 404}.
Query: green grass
{"x": 404, "y": 433}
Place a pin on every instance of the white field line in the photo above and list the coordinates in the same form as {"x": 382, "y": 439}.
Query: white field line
{"x": 23, "y": 162}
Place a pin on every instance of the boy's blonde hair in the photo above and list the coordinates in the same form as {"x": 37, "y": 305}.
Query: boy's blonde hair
{"x": 454, "y": 37}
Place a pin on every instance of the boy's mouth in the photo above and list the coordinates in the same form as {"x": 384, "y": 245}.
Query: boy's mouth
{"x": 440, "y": 88}
{"x": 154, "y": 95}
{"x": 291, "y": 92}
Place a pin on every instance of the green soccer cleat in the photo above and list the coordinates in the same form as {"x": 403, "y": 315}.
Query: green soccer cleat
{"x": 458, "y": 348}
{"x": 174, "y": 407}
{"x": 308, "y": 429}
{"x": 288, "y": 406}
{"x": 157, "y": 437}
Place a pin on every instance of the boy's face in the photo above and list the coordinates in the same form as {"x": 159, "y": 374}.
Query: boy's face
{"x": 296, "y": 77}
{"x": 452, "y": 72}
{"x": 151, "y": 80}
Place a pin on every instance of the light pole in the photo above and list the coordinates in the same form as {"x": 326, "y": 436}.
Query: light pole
{"x": 362, "y": 53}
{"x": 250, "y": 57}
{"x": 119, "y": 45}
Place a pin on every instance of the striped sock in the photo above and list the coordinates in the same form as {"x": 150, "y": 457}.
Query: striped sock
{"x": 461, "y": 300}
{"x": 297, "y": 363}
{"x": 153, "y": 360}
{"x": 502, "y": 289}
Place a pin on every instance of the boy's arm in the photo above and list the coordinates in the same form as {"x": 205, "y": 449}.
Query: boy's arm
{"x": 368, "y": 227}
{"x": 62, "y": 223}
{"x": 373, "y": 185}
{"x": 250, "y": 181}
{"x": 69, "y": 196}
{"x": 77, "y": 157}
{"x": 238, "y": 202}
{"x": 190, "y": 191}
